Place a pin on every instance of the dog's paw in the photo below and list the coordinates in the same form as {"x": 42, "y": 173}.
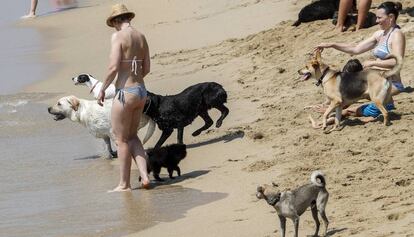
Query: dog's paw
{"x": 219, "y": 123}
{"x": 114, "y": 154}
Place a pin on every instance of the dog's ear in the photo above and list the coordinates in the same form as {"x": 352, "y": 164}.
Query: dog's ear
{"x": 317, "y": 56}
{"x": 74, "y": 102}
{"x": 275, "y": 185}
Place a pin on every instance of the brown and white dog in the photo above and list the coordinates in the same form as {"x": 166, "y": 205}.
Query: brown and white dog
{"x": 343, "y": 89}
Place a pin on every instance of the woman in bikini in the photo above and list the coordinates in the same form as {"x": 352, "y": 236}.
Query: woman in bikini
{"x": 129, "y": 62}
{"x": 389, "y": 39}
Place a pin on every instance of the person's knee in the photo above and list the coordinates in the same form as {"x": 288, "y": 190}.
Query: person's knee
{"x": 119, "y": 139}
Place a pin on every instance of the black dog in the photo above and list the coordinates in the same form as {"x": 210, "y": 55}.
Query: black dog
{"x": 167, "y": 157}
{"x": 353, "y": 65}
{"x": 350, "y": 87}
{"x": 180, "y": 110}
{"x": 319, "y": 10}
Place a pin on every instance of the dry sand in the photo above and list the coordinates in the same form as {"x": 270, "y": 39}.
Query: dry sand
{"x": 267, "y": 136}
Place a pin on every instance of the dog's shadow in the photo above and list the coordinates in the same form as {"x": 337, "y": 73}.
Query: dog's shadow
{"x": 355, "y": 121}
{"x": 226, "y": 138}
{"x": 408, "y": 89}
{"x": 93, "y": 157}
{"x": 334, "y": 231}
{"x": 330, "y": 233}
{"x": 177, "y": 179}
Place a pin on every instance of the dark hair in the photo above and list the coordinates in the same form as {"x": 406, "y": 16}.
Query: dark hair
{"x": 123, "y": 18}
{"x": 391, "y": 8}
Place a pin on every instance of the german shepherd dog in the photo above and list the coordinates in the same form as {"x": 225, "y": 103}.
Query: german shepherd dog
{"x": 343, "y": 89}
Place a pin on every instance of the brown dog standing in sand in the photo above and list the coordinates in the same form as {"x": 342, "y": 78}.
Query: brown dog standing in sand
{"x": 343, "y": 89}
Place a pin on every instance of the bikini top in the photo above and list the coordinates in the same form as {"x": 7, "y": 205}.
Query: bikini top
{"x": 382, "y": 50}
{"x": 134, "y": 64}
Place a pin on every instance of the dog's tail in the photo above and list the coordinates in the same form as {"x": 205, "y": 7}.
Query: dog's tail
{"x": 397, "y": 68}
{"x": 214, "y": 95}
{"x": 297, "y": 23}
{"x": 318, "y": 175}
{"x": 150, "y": 131}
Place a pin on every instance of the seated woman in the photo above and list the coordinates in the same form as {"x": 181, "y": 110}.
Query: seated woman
{"x": 389, "y": 39}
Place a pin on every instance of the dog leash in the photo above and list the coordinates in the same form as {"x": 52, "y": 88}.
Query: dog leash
{"x": 321, "y": 78}
{"x": 149, "y": 104}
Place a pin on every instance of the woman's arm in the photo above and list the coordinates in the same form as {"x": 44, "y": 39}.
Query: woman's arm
{"x": 146, "y": 64}
{"x": 114, "y": 61}
{"x": 352, "y": 49}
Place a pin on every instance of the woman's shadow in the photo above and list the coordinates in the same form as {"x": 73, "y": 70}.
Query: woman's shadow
{"x": 177, "y": 179}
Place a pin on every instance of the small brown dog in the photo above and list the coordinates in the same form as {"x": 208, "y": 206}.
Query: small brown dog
{"x": 343, "y": 89}
{"x": 292, "y": 204}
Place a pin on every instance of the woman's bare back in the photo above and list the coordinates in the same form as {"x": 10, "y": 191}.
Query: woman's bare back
{"x": 134, "y": 50}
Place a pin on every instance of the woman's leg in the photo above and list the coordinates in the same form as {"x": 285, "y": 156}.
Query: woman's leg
{"x": 121, "y": 117}
{"x": 363, "y": 8}
{"x": 32, "y": 11}
{"x": 135, "y": 145}
{"x": 33, "y": 7}
{"x": 345, "y": 7}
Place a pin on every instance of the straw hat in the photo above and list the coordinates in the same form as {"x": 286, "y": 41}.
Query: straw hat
{"x": 118, "y": 10}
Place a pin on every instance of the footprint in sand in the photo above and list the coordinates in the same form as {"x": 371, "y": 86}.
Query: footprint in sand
{"x": 394, "y": 216}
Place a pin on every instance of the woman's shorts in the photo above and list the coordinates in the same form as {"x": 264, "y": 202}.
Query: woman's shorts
{"x": 371, "y": 110}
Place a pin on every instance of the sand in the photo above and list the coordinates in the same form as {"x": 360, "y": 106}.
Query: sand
{"x": 251, "y": 49}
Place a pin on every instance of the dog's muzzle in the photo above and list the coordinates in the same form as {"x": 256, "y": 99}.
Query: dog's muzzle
{"x": 306, "y": 76}
{"x": 57, "y": 116}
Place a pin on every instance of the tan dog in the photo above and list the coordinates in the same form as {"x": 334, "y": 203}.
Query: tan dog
{"x": 343, "y": 89}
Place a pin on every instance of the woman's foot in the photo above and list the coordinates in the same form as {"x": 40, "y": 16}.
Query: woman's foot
{"x": 145, "y": 184}
{"x": 320, "y": 108}
{"x": 120, "y": 189}
{"x": 28, "y": 16}
{"x": 340, "y": 29}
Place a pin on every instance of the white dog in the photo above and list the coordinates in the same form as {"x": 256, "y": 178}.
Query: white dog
{"x": 95, "y": 86}
{"x": 96, "y": 118}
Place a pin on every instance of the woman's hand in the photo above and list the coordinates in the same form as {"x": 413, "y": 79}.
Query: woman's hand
{"x": 101, "y": 97}
{"x": 322, "y": 46}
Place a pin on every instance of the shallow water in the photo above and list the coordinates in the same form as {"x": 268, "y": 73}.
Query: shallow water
{"x": 21, "y": 57}
{"x": 52, "y": 179}
{"x": 54, "y": 183}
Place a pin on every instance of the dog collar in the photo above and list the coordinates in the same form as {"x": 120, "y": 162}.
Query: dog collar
{"x": 321, "y": 78}
{"x": 93, "y": 87}
{"x": 273, "y": 200}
